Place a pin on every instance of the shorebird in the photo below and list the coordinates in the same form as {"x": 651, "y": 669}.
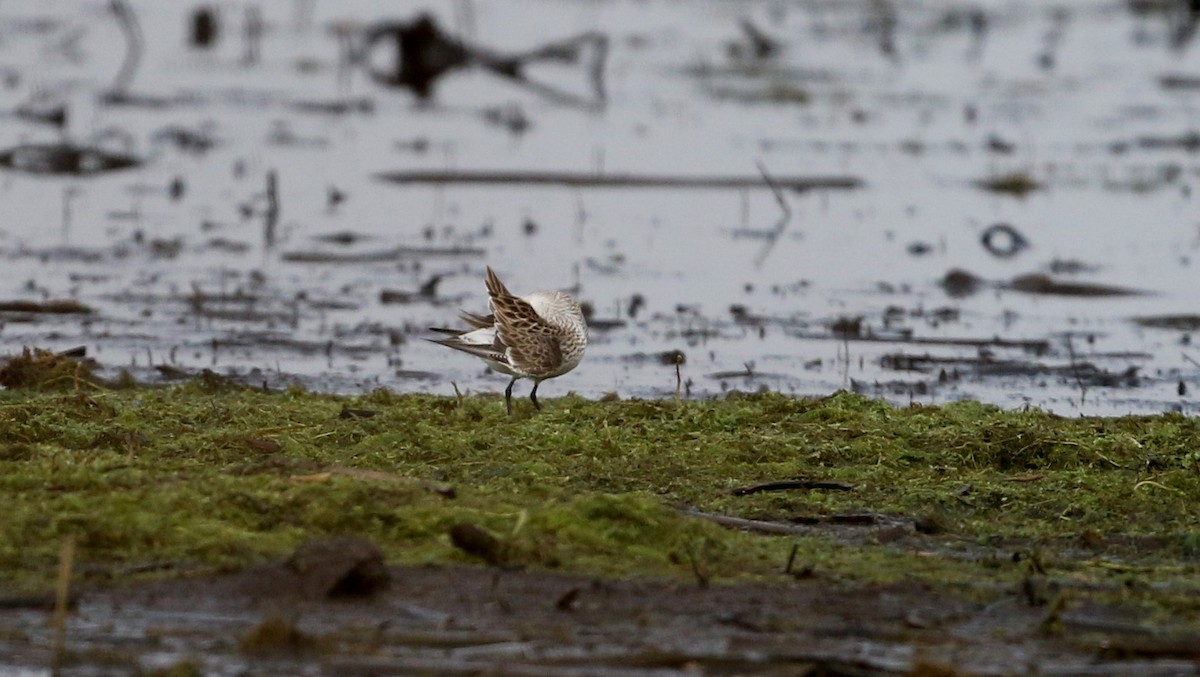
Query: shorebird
{"x": 538, "y": 336}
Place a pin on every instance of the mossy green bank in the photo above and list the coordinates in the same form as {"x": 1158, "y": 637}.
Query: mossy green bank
{"x": 205, "y": 477}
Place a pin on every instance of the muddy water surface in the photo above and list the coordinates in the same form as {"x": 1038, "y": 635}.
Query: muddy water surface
{"x": 1080, "y": 114}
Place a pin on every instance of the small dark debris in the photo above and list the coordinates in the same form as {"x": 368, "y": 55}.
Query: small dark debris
{"x": 996, "y": 144}
{"x": 1188, "y": 142}
{"x": 171, "y": 372}
{"x": 1003, "y": 241}
{"x": 476, "y": 541}
{"x": 205, "y": 28}
{"x": 959, "y": 283}
{"x": 569, "y": 601}
{"x": 340, "y": 567}
{"x": 793, "y": 484}
{"x": 334, "y": 196}
{"x": 919, "y": 248}
{"x": 855, "y": 518}
{"x": 262, "y": 444}
{"x": 196, "y": 142}
{"x": 44, "y": 602}
{"x": 636, "y": 303}
{"x": 510, "y": 118}
{"x": 427, "y": 292}
{"x": 672, "y": 357}
{"x": 341, "y": 237}
{"x": 847, "y": 327}
{"x": 1017, "y": 184}
{"x": 1071, "y": 267}
{"x": 933, "y": 523}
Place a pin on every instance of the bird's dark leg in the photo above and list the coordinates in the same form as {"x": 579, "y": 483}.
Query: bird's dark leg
{"x": 508, "y": 396}
{"x": 533, "y": 395}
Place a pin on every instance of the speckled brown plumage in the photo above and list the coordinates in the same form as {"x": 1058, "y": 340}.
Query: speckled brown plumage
{"x": 538, "y": 336}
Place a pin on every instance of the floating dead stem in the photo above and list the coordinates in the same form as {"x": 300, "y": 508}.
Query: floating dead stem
{"x": 798, "y": 184}
{"x": 61, "y": 307}
{"x": 64, "y": 159}
{"x": 1018, "y": 184}
{"x": 1038, "y": 283}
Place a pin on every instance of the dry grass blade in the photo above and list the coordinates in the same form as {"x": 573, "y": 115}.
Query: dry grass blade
{"x": 62, "y": 593}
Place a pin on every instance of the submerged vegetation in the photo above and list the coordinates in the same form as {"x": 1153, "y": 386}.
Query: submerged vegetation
{"x": 209, "y": 476}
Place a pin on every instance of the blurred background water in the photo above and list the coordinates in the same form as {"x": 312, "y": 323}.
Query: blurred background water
{"x": 1082, "y": 114}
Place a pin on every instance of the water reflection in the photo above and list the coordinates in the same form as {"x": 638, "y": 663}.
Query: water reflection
{"x": 259, "y": 225}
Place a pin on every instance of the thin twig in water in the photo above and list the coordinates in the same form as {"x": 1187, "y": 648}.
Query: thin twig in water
{"x": 271, "y": 213}
{"x": 845, "y": 347}
{"x": 134, "y": 45}
{"x": 791, "y": 558}
{"x": 1075, "y": 370}
{"x": 694, "y": 559}
{"x": 1189, "y": 359}
{"x": 781, "y": 224}
{"x": 609, "y": 180}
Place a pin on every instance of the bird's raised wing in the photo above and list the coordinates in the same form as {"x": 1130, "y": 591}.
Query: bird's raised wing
{"x": 533, "y": 344}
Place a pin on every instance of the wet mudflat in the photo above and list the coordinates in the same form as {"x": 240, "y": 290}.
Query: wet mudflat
{"x": 470, "y": 621}
{"x": 924, "y": 203}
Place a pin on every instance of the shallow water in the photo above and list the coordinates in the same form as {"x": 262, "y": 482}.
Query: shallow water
{"x": 1072, "y": 95}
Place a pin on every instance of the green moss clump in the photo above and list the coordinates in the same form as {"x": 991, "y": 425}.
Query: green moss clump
{"x": 220, "y": 477}
{"x": 39, "y": 369}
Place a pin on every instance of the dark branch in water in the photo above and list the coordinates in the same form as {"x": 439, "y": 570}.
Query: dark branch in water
{"x": 580, "y": 180}
{"x": 134, "y": 45}
{"x": 780, "y": 225}
{"x": 271, "y": 213}
{"x": 785, "y": 485}
{"x": 1075, "y": 370}
{"x": 422, "y": 53}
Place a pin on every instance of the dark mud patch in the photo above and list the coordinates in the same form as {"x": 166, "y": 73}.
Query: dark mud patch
{"x": 285, "y": 618}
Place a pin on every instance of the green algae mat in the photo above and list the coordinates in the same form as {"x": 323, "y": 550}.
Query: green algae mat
{"x": 204, "y": 477}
